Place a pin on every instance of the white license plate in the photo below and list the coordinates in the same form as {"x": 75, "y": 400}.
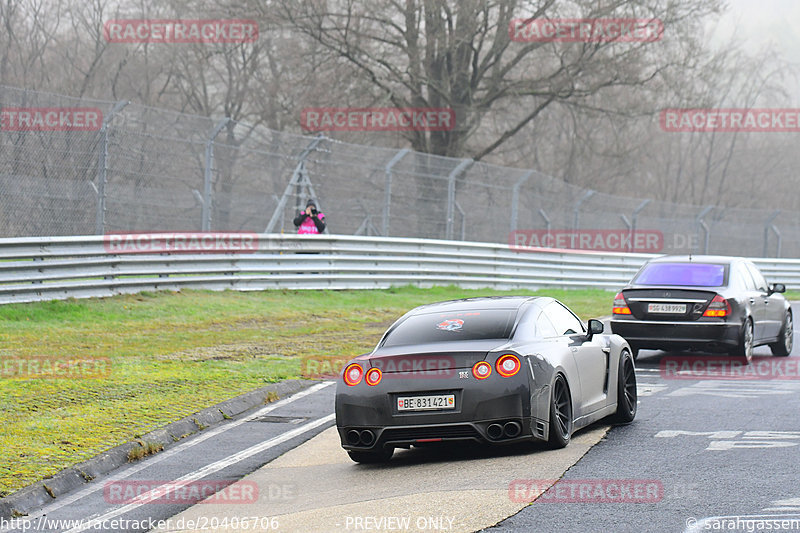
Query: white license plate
{"x": 426, "y": 403}
{"x": 675, "y": 309}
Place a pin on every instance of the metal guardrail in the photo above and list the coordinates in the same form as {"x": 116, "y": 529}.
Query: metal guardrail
{"x": 49, "y": 268}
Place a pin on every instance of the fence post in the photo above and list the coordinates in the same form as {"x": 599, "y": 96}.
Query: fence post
{"x": 627, "y": 222}
{"x": 702, "y": 224}
{"x": 102, "y": 169}
{"x": 463, "y": 222}
{"x": 543, "y": 214}
{"x": 207, "y": 190}
{"x": 451, "y": 195}
{"x": 767, "y": 226}
{"x": 515, "y": 198}
{"x": 387, "y": 197}
{"x": 635, "y": 216}
{"x": 576, "y": 211}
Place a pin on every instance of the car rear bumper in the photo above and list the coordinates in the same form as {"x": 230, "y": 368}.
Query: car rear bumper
{"x": 509, "y": 430}
{"x": 478, "y": 405}
{"x": 664, "y": 335}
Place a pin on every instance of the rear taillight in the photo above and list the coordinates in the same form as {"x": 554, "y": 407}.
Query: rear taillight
{"x": 719, "y": 307}
{"x": 620, "y": 305}
{"x": 353, "y": 374}
{"x": 508, "y": 365}
{"x": 481, "y": 370}
{"x": 373, "y": 376}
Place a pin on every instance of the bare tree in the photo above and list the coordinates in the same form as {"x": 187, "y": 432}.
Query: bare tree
{"x": 459, "y": 54}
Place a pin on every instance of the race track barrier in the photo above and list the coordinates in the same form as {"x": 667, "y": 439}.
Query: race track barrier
{"x": 50, "y": 268}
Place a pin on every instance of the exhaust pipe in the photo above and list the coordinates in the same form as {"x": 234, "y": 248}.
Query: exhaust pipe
{"x": 512, "y": 429}
{"x": 353, "y": 437}
{"x": 367, "y": 438}
{"x": 494, "y": 431}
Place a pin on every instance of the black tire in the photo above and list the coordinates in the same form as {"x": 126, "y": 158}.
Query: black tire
{"x": 371, "y": 457}
{"x": 627, "y": 398}
{"x": 560, "y": 414}
{"x": 745, "y": 347}
{"x": 783, "y": 347}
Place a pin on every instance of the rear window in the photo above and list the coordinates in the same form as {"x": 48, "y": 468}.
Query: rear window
{"x": 677, "y": 274}
{"x": 456, "y": 326}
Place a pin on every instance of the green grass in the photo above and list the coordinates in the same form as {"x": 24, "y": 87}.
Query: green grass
{"x": 167, "y": 355}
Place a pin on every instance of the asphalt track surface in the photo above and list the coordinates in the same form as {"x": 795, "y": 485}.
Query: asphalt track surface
{"x": 724, "y": 452}
{"x": 721, "y": 454}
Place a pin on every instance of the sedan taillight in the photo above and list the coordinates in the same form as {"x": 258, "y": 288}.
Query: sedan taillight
{"x": 719, "y": 307}
{"x": 620, "y": 305}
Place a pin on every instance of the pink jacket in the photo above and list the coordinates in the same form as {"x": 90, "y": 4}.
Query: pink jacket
{"x": 308, "y": 226}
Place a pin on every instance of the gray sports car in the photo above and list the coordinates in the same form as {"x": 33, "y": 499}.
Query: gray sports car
{"x": 495, "y": 370}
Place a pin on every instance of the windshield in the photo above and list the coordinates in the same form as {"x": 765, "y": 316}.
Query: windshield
{"x": 453, "y": 326}
{"x": 683, "y": 274}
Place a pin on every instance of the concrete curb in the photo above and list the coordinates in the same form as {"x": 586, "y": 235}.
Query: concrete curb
{"x": 32, "y": 497}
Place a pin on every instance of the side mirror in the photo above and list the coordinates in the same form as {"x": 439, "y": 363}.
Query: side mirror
{"x": 777, "y": 287}
{"x": 595, "y": 327}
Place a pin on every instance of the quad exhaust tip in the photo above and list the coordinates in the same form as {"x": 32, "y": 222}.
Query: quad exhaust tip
{"x": 365, "y": 437}
{"x": 511, "y": 429}
{"x": 508, "y": 430}
{"x": 494, "y": 431}
{"x": 353, "y": 437}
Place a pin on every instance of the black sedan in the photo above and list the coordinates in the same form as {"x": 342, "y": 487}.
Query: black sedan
{"x": 706, "y": 303}
{"x": 496, "y": 370}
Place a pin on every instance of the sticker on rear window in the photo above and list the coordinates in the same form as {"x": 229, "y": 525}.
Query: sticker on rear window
{"x": 450, "y": 325}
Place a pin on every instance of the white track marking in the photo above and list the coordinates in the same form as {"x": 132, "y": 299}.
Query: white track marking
{"x": 173, "y": 451}
{"x": 146, "y": 497}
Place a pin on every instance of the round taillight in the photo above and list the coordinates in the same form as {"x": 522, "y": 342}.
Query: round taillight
{"x": 508, "y": 365}
{"x": 482, "y": 370}
{"x": 352, "y": 374}
{"x": 373, "y": 376}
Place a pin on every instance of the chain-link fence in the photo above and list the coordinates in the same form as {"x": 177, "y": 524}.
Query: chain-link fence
{"x": 141, "y": 169}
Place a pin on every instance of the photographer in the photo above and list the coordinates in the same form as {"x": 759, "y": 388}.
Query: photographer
{"x": 310, "y": 221}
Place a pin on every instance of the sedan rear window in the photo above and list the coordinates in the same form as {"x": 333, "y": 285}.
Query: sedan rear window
{"x": 453, "y": 326}
{"x": 686, "y": 274}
